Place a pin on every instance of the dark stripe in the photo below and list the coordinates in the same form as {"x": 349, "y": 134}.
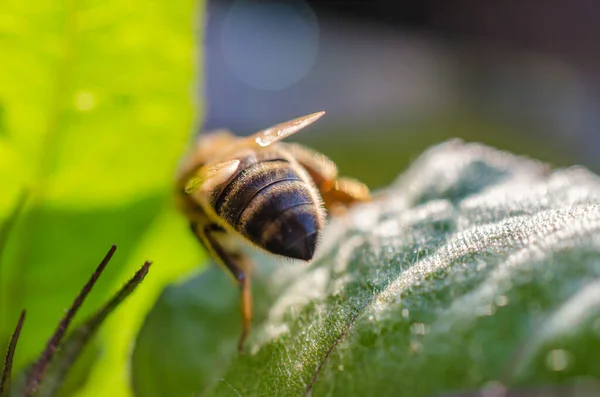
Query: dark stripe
{"x": 239, "y": 178}
{"x": 275, "y": 160}
{"x": 295, "y": 233}
{"x": 281, "y": 217}
{"x": 256, "y": 194}
{"x": 245, "y": 162}
{"x": 245, "y": 189}
{"x": 273, "y": 203}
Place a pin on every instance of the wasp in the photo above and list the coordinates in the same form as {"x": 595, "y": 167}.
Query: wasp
{"x": 261, "y": 192}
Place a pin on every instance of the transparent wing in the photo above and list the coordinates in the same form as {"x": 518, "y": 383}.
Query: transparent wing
{"x": 212, "y": 175}
{"x": 283, "y": 130}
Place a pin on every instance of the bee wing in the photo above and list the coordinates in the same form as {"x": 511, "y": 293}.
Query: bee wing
{"x": 211, "y": 175}
{"x": 283, "y": 130}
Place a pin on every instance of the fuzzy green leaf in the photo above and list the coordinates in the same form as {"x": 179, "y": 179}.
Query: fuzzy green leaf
{"x": 475, "y": 268}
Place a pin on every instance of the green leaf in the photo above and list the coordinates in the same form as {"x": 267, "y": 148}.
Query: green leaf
{"x": 96, "y": 111}
{"x": 173, "y": 250}
{"x": 476, "y": 268}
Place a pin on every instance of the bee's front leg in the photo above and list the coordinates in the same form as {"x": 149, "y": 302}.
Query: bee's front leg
{"x": 236, "y": 263}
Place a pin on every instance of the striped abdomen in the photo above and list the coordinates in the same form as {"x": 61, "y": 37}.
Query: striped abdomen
{"x": 271, "y": 204}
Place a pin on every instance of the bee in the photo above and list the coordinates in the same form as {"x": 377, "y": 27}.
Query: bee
{"x": 257, "y": 190}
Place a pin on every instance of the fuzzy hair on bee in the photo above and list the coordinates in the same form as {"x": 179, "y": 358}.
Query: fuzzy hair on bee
{"x": 259, "y": 191}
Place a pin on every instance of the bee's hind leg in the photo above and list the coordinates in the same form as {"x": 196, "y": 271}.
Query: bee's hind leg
{"x": 338, "y": 193}
{"x": 237, "y": 264}
{"x": 344, "y": 193}
{"x": 246, "y": 303}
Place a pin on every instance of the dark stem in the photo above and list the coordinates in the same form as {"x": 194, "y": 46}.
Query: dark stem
{"x": 80, "y": 336}
{"x": 39, "y": 368}
{"x": 123, "y": 293}
{"x": 8, "y": 361}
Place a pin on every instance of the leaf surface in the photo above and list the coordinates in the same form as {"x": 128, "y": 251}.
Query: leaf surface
{"x": 475, "y": 268}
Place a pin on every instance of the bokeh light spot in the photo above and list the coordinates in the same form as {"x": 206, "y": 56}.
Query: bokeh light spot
{"x": 84, "y": 101}
{"x": 270, "y": 45}
{"x": 558, "y": 360}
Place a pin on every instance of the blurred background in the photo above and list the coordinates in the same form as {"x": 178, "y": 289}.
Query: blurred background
{"x": 398, "y": 76}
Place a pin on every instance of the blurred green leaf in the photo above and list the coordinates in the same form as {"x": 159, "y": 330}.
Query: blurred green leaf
{"x": 476, "y": 268}
{"x": 9, "y": 223}
{"x": 173, "y": 251}
{"x": 96, "y": 110}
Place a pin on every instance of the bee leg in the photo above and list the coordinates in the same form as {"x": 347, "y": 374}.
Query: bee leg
{"x": 236, "y": 264}
{"x": 338, "y": 193}
{"x": 345, "y": 193}
{"x": 246, "y": 303}
{"x": 321, "y": 169}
